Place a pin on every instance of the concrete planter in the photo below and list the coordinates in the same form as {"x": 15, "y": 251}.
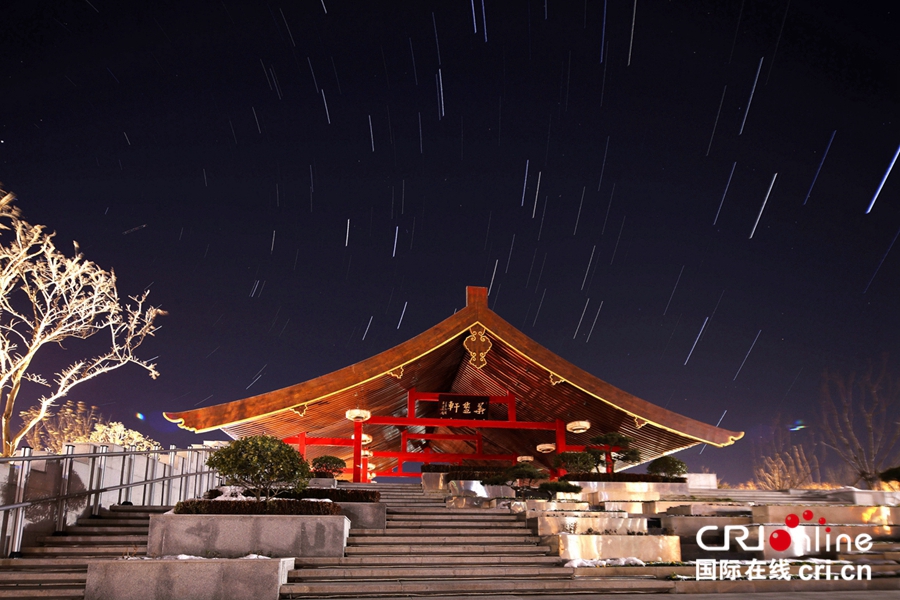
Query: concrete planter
{"x": 322, "y": 483}
{"x": 471, "y": 487}
{"x": 186, "y": 579}
{"x": 365, "y": 515}
{"x": 660, "y": 548}
{"x": 843, "y": 515}
{"x": 631, "y": 490}
{"x": 233, "y": 536}
{"x": 435, "y": 483}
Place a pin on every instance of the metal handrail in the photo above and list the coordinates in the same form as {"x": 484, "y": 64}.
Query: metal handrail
{"x": 13, "y": 515}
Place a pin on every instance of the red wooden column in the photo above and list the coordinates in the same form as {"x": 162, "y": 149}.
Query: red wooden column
{"x": 358, "y": 467}
{"x": 560, "y": 443}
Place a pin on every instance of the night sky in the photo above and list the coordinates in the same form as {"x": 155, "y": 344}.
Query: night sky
{"x": 214, "y": 152}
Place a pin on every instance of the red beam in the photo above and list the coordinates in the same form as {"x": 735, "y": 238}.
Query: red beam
{"x": 487, "y": 424}
{"x": 322, "y": 441}
{"x": 441, "y": 436}
{"x": 430, "y": 457}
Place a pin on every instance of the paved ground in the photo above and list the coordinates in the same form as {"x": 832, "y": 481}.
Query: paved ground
{"x": 838, "y": 595}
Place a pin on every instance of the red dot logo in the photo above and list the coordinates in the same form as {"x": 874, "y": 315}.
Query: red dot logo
{"x": 807, "y": 515}
{"x": 822, "y": 521}
{"x": 780, "y": 540}
{"x": 792, "y": 520}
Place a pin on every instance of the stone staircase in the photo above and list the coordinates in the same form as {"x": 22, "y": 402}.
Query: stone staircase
{"x": 57, "y": 566}
{"x": 430, "y": 550}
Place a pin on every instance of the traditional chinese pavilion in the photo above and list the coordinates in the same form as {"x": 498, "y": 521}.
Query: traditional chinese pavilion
{"x": 473, "y": 389}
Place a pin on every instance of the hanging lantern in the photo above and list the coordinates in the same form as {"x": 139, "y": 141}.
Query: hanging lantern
{"x": 524, "y": 459}
{"x": 366, "y": 439}
{"x": 358, "y": 415}
{"x": 578, "y": 426}
{"x": 371, "y": 467}
{"x": 366, "y": 453}
{"x": 546, "y": 448}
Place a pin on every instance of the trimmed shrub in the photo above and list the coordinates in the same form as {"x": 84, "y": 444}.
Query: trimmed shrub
{"x": 891, "y": 475}
{"x": 623, "y": 477}
{"x": 668, "y": 466}
{"x": 275, "y": 506}
{"x": 575, "y": 462}
{"x": 261, "y": 462}
{"x": 552, "y": 487}
{"x": 328, "y": 466}
{"x": 335, "y": 495}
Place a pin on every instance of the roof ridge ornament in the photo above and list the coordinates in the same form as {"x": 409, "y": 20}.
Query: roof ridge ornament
{"x": 478, "y": 345}
{"x": 396, "y": 373}
{"x": 555, "y": 379}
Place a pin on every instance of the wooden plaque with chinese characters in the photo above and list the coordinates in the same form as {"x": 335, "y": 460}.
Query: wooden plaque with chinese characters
{"x": 457, "y": 406}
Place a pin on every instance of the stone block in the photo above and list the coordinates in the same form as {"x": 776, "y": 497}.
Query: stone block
{"x": 632, "y": 490}
{"x": 365, "y": 515}
{"x": 659, "y": 548}
{"x": 690, "y": 525}
{"x": 435, "y": 483}
{"x": 173, "y": 579}
{"x": 322, "y": 483}
{"x": 598, "y": 496}
{"x": 550, "y": 525}
{"x": 233, "y": 536}
{"x": 842, "y": 515}
{"x": 864, "y": 497}
{"x": 635, "y": 508}
{"x": 702, "y": 481}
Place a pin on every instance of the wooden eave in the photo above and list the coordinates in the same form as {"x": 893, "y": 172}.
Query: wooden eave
{"x": 523, "y": 354}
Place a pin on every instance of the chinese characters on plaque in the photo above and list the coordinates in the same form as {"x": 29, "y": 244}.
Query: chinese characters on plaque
{"x": 454, "y": 406}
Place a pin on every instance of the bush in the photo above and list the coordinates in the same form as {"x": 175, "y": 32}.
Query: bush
{"x": 891, "y": 475}
{"x": 261, "y": 462}
{"x": 552, "y": 487}
{"x": 575, "y": 462}
{"x": 328, "y": 466}
{"x": 668, "y": 466}
{"x": 335, "y": 495}
{"x": 274, "y": 506}
{"x": 511, "y": 476}
{"x": 624, "y": 477}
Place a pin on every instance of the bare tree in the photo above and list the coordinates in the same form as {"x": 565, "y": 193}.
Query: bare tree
{"x": 46, "y": 298}
{"x": 73, "y": 422}
{"x": 860, "y": 420}
{"x": 780, "y": 464}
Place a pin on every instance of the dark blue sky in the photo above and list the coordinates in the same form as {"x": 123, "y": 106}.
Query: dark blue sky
{"x": 187, "y": 146}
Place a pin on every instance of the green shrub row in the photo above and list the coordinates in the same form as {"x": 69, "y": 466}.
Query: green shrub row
{"x": 623, "y": 477}
{"x": 252, "y": 507}
{"x": 335, "y": 495}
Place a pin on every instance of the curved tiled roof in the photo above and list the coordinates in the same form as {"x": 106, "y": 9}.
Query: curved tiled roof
{"x": 546, "y": 385}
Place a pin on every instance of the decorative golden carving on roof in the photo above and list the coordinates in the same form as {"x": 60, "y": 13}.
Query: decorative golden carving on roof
{"x": 300, "y": 410}
{"x": 639, "y": 422}
{"x": 478, "y": 345}
{"x": 555, "y": 379}
{"x": 396, "y": 373}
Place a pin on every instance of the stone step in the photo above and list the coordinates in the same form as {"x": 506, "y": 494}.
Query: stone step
{"x": 101, "y": 530}
{"x": 429, "y": 524}
{"x": 438, "y": 549}
{"x": 414, "y": 560}
{"x": 451, "y": 511}
{"x": 474, "y": 586}
{"x": 111, "y": 522}
{"x": 52, "y": 592}
{"x": 106, "y": 513}
{"x": 446, "y": 531}
{"x": 367, "y": 540}
{"x": 55, "y": 578}
{"x": 57, "y": 564}
{"x": 104, "y": 551}
{"x": 139, "y": 508}
{"x": 434, "y": 572}
{"x": 447, "y": 516}
{"x": 98, "y": 540}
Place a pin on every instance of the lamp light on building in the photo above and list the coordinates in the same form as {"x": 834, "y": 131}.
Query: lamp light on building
{"x": 365, "y": 440}
{"x": 524, "y": 459}
{"x": 371, "y": 467}
{"x": 358, "y": 415}
{"x": 366, "y": 453}
{"x": 546, "y": 448}
{"x": 578, "y": 426}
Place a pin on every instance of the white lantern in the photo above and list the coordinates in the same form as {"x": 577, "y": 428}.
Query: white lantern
{"x": 366, "y": 453}
{"x": 358, "y": 415}
{"x": 546, "y": 448}
{"x": 524, "y": 459}
{"x": 365, "y": 439}
{"x": 578, "y": 426}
